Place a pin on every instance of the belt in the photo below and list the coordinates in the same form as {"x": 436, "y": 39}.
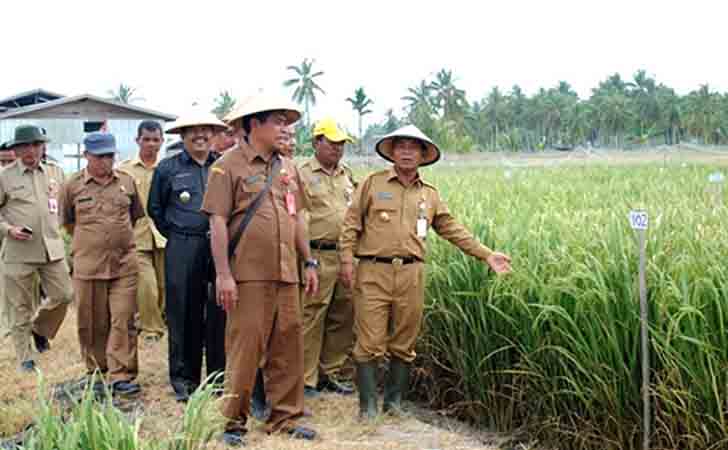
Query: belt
{"x": 189, "y": 234}
{"x": 323, "y": 245}
{"x": 396, "y": 260}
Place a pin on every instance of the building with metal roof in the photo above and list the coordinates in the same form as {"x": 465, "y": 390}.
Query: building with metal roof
{"x": 67, "y": 120}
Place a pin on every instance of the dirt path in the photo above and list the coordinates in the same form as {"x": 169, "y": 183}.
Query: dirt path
{"x": 334, "y": 416}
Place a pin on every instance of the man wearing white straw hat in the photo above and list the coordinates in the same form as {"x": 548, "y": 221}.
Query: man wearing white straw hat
{"x": 386, "y": 227}
{"x": 254, "y": 200}
{"x": 194, "y": 320}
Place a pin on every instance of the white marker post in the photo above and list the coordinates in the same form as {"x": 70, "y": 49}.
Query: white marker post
{"x": 639, "y": 221}
{"x": 717, "y": 179}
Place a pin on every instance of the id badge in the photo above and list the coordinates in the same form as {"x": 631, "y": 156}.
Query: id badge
{"x": 291, "y": 203}
{"x": 53, "y": 206}
{"x": 421, "y": 228}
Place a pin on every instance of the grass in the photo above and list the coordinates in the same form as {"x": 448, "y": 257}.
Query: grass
{"x": 158, "y": 422}
{"x": 555, "y": 347}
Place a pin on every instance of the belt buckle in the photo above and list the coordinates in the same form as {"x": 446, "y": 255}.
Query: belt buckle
{"x": 397, "y": 261}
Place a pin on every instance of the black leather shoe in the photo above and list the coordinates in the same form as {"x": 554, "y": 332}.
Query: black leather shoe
{"x": 233, "y": 438}
{"x": 310, "y": 392}
{"x": 27, "y": 366}
{"x": 301, "y": 432}
{"x": 336, "y": 387}
{"x": 41, "y": 343}
{"x": 181, "y": 391}
{"x": 125, "y": 388}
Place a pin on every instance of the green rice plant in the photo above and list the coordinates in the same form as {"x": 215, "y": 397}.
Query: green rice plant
{"x": 555, "y": 346}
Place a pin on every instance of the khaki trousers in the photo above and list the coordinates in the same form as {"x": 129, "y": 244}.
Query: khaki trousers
{"x": 267, "y": 321}
{"x": 150, "y": 292}
{"x": 106, "y": 329}
{"x": 21, "y": 297}
{"x": 328, "y": 322}
{"x": 388, "y": 303}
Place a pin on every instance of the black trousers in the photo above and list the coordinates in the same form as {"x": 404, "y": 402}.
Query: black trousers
{"x": 193, "y": 317}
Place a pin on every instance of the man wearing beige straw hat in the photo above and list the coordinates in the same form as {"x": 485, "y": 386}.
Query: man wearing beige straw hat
{"x": 328, "y": 316}
{"x": 386, "y": 227}
{"x": 194, "y": 320}
{"x": 32, "y": 247}
{"x": 254, "y": 200}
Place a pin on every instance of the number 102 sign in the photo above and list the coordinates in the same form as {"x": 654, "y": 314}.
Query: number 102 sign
{"x": 638, "y": 220}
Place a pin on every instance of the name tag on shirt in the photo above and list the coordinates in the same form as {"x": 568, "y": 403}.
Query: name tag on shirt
{"x": 421, "y": 228}
{"x": 384, "y": 196}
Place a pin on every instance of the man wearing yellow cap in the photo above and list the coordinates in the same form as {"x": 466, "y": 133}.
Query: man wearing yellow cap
{"x": 328, "y": 316}
{"x": 386, "y": 227}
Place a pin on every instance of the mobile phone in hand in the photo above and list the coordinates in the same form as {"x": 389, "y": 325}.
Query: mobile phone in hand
{"x": 27, "y": 230}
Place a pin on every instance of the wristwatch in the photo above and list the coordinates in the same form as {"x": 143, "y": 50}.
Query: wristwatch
{"x": 311, "y": 264}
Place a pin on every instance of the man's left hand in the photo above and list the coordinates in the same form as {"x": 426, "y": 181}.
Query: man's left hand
{"x": 311, "y": 281}
{"x": 499, "y": 262}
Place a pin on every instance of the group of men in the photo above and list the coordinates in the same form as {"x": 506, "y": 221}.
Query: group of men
{"x": 276, "y": 273}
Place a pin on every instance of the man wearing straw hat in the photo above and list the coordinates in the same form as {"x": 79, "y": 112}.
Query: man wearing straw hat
{"x": 99, "y": 208}
{"x": 328, "y": 316}
{"x": 32, "y": 247}
{"x": 386, "y": 227}
{"x": 257, "y": 270}
{"x": 194, "y": 320}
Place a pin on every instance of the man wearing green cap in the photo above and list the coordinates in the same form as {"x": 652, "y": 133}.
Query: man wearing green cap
{"x": 328, "y": 316}
{"x": 386, "y": 227}
{"x": 32, "y": 246}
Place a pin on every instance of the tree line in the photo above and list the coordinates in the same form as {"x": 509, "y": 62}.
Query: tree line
{"x": 619, "y": 113}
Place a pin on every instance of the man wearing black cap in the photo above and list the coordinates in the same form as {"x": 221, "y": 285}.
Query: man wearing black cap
{"x": 32, "y": 247}
{"x": 100, "y": 207}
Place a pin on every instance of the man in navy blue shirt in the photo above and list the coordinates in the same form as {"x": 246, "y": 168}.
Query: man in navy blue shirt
{"x": 194, "y": 320}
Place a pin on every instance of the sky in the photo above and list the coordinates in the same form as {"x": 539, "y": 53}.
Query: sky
{"x": 176, "y": 53}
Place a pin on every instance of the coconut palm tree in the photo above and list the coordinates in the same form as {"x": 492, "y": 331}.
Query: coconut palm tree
{"x": 224, "y": 103}
{"x": 448, "y": 97}
{"x": 359, "y": 103}
{"x": 306, "y": 86}
{"x": 124, "y": 94}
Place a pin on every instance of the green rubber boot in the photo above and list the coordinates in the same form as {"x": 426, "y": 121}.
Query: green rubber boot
{"x": 395, "y": 386}
{"x": 366, "y": 380}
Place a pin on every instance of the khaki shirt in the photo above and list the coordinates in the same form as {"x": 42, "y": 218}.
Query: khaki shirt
{"x": 55, "y": 172}
{"x": 30, "y": 198}
{"x": 146, "y": 235}
{"x": 328, "y": 197}
{"x": 382, "y": 220}
{"x": 102, "y": 217}
{"x": 267, "y": 249}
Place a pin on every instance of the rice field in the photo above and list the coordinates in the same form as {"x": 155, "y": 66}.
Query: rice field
{"x": 554, "y": 348}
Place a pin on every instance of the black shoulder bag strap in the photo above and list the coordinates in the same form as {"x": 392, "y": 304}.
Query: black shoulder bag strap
{"x": 254, "y": 205}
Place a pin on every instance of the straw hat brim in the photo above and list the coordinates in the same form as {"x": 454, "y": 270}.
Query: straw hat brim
{"x": 385, "y": 148}
{"x": 263, "y": 103}
{"x": 177, "y": 126}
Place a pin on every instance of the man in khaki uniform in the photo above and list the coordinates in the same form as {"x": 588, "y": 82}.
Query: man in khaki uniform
{"x": 386, "y": 228}
{"x": 259, "y": 286}
{"x": 328, "y": 316}
{"x": 100, "y": 207}
{"x": 149, "y": 241}
{"x": 32, "y": 247}
{"x": 7, "y": 156}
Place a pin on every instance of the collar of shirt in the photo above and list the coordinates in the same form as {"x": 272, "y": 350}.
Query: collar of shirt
{"x": 23, "y": 168}
{"x": 137, "y": 161}
{"x": 392, "y": 175}
{"x": 87, "y": 178}
{"x": 187, "y": 159}
{"x": 317, "y": 167}
{"x": 251, "y": 153}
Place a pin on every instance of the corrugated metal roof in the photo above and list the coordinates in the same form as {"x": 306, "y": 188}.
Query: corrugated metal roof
{"x": 16, "y": 112}
{"x": 38, "y": 95}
